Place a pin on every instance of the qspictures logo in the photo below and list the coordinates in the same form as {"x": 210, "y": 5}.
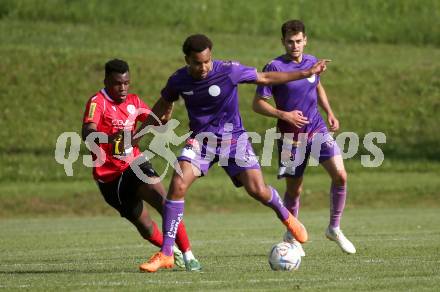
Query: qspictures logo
{"x": 224, "y": 148}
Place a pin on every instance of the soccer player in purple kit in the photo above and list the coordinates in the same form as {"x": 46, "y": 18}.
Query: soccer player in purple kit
{"x": 297, "y": 114}
{"x": 209, "y": 90}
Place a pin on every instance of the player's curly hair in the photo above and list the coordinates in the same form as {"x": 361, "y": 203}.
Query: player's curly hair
{"x": 116, "y": 66}
{"x": 196, "y": 43}
{"x": 293, "y": 26}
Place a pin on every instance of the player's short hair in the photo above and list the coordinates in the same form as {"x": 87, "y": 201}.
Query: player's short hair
{"x": 293, "y": 26}
{"x": 196, "y": 43}
{"x": 116, "y": 66}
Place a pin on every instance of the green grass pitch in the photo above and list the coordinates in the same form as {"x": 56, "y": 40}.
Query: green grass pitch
{"x": 398, "y": 249}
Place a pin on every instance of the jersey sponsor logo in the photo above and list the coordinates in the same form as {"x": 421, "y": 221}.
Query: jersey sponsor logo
{"x": 92, "y": 109}
{"x": 122, "y": 124}
{"x": 131, "y": 109}
{"x": 188, "y": 92}
{"x": 214, "y": 90}
{"x": 312, "y": 78}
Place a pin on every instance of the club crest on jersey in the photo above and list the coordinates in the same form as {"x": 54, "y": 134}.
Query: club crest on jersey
{"x": 312, "y": 78}
{"x": 131, "y": 109}
{"x": 214, "y": 90}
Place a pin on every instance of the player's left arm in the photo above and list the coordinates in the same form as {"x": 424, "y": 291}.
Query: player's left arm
{"x": 325, "y": 105}
{"x": 274, "y": 77}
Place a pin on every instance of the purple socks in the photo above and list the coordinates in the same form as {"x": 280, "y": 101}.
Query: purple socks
{"x": 276, "y": 204}
{"x": 338, "y": 195}
{"x": 292, "y": 204}
{"x": 337, "y": 204}
{"x": 172, "y": 215}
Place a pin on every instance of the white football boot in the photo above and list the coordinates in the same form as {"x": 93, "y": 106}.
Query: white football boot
{"x": 288, "y": 237}
{"x": 336, "y": 235}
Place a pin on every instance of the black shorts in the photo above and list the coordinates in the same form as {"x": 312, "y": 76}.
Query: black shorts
{"x": 121, "y": 192}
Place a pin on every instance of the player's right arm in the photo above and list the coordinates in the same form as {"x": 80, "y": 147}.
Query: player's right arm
{"x": 262, "y": 106}
{"x": 91, "y": 119}
{"x": 87, "y": 129}
{"x": 162, "y": 111}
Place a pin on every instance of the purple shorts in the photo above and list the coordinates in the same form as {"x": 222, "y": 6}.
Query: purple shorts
{"x": 293, "y": 155}
{"x": 234, "y": 156}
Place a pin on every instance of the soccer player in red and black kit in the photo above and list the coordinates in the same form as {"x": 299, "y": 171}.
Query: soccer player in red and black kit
{"x": 111, "y": 111}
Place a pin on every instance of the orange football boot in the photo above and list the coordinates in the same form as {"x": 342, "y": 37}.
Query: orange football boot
{"x": 157, "y": 261}
{"x": 296, "y": 228}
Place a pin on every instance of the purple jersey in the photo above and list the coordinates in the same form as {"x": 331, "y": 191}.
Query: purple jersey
{"x": 213, "y": 101}
{"x": 295, "y": 95}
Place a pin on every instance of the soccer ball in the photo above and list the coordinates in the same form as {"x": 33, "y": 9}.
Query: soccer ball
{"x": 284, "y": 256}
